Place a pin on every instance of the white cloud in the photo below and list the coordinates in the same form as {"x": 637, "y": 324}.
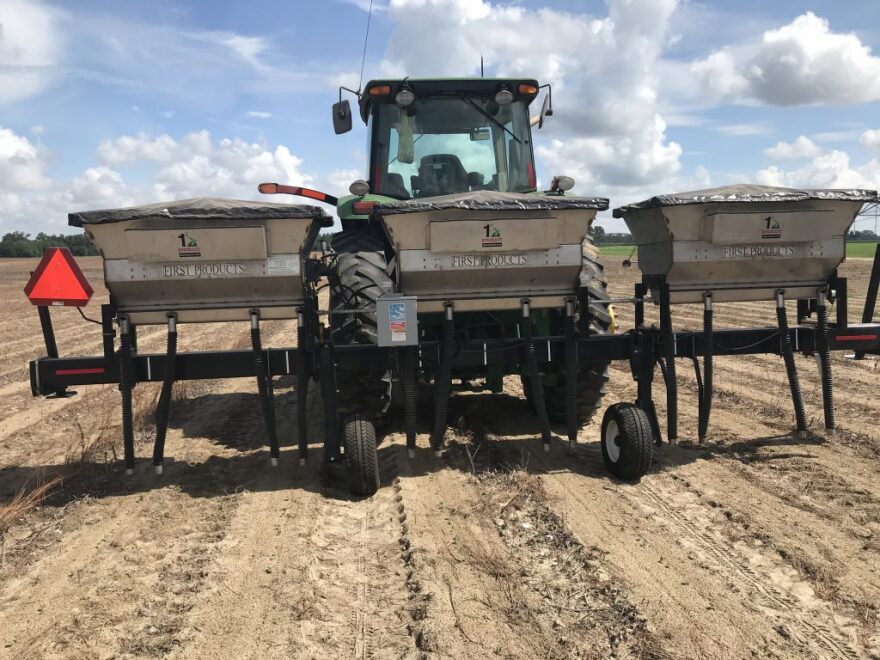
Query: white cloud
{"x": 30, "y": 200}
{"x": 196, "y": 165}
{"x": 30, "y": 48}
{"x": 831, "y": 170}
{"x": 801, "y": 63}
{"x": 338, "y": 181}
{"x": 607, "y": 126}
{"x": 749, "y": 128}
{"x": 871, "y": 139}
{"x": 259, "y": 114}
{"x": 21, "y": 163}
{"x": 22, "y": 171}
{"x": 802, "y": 147}
{"x": 129, "y": 148}
{"x": 850, "y": 135}
{"x": 137, "y": 169}
{"x": 720, "y": 76}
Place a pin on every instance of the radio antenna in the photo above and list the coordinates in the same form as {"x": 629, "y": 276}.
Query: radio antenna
{"x": 364, "y": 55}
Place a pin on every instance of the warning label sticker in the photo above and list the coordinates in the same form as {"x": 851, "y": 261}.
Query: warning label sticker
{"x": 397, "y": 321}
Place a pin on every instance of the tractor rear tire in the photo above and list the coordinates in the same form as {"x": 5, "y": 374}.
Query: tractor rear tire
{"x": 627, "y": 441}
{"x": 361, "y": 457}
{"x": 362, "y": 276}
{"x": 593, "y": 375}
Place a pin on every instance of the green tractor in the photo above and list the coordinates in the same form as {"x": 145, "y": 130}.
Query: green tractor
{"x": 465, "y": 142}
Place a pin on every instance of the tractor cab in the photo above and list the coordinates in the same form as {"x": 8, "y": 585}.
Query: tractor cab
{"x": 429, "y": 138}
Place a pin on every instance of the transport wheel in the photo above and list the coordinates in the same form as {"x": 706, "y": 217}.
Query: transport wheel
{"x": 360, "y": 455}
{"x": 593, "y": 375}
{"x": 362, "y": 276}
{"x": 627, "y": 441}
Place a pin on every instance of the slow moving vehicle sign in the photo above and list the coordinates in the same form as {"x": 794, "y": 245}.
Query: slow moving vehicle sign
{"x": 58, "y": 281}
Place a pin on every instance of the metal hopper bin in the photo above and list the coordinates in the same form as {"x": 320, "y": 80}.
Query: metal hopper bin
{"x": 487, "y": 250}
{"x": 204, "y": 259}
{"x": 745, "y": 242}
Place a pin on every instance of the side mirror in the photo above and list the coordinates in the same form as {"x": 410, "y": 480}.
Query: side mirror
{"x": 546, "y": 110}
{"x": 342, "y": 117}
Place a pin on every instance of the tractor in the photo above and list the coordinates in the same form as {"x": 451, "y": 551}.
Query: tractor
{"x": 436, "y": 140}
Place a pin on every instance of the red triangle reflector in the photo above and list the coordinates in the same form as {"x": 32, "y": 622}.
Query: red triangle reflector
{"x": 58, "y": 281}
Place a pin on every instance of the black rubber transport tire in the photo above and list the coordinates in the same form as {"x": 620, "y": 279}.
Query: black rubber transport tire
{"x": 593, "y": 375}
{"x": 627, "y": 441}
{"x": 363, "y": 276}
{"x": 359, "y": 436}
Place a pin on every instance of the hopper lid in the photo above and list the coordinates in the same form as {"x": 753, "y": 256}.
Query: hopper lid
{"x": 745, "y": 192}
{"x": 491, "y": 200}
{"x": 201, "y": 208}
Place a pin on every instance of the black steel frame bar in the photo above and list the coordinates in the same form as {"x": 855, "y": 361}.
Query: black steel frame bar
{"x": 50, "y": 374}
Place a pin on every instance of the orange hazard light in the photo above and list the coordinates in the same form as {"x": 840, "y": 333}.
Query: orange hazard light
{"x": 58, "y": 281}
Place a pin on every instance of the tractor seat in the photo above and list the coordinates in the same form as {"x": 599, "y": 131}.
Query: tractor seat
{"x": 442, "y": 174}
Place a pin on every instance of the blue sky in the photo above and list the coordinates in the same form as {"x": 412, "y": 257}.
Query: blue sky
{"x": 106, "y": 103}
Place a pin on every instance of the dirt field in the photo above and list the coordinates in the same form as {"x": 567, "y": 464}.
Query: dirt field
{"x": 756, "y": 544}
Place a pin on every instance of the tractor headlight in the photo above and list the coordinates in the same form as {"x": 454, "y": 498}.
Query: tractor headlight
{"x": 562, "y": 183}
{"x": 359, "y": 187}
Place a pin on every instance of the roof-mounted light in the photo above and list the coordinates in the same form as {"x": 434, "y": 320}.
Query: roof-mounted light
{"x": 404, "y": 98}
{"x": 379, "y": 90}
{"x": 528, "y": 89}
{"x": 504, "y": 97}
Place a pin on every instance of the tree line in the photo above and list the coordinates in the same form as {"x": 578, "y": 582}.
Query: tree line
{"x": 20, "y": 244}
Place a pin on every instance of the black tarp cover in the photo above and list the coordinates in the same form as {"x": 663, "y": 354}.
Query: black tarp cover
{"x": 490, "y": 200}
{"x": 748, "y": 193}
{"x": 201, "y": 208}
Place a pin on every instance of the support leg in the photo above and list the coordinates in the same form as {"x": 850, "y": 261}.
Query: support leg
{"x": 444, "y": 381}
{"x": 668, "y": 341}
{"x": 51, "y": 345}
{"x": 328, "y": 394}
{"x": 824, "y": 351}
{"x": 535, "y": 381}
{"x": 164, "y": 406}
{"x": 303, "y": 347}
{"x": 571, "y": 374}
{"x": 126, "y": 382}
{"x": 871, "y": 299}
{"x": 790, "y": 366}
{"x": 643, "y": 368}
{"x": 409, "y": 367}
{"x": 264, "y": 387}
{"x": 706, "y": 395}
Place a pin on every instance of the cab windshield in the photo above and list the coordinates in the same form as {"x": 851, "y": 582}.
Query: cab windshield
{"x": 442, "y": 146}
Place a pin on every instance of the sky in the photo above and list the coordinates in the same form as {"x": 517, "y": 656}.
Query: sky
{"x": 106, "y": 103}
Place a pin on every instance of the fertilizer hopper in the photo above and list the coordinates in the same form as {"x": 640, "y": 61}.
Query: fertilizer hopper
{"x": 743, "y": 242}
{"x": 204, "y": 259}
{"x": 487, "y": 250}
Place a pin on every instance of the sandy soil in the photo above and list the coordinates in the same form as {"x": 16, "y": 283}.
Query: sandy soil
{"x": 756, "y": 544}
